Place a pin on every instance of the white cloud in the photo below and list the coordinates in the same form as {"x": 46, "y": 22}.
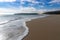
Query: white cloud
{"x": 20, "y": 10}
{"x": 4, "y": 10}
{"x": 7, "y": 0}
{"x": 27, "y": 0}
{"x": 27, "y": 10}
{"x": 23, "y": 1}
{"x": 55, "y": 1}
{"x": 32, "y": 1}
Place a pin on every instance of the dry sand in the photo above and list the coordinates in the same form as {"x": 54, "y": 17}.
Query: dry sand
{"x": 47, "y": 28}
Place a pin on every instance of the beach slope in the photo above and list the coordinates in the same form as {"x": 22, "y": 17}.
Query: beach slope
{"x": 47, "y": 28}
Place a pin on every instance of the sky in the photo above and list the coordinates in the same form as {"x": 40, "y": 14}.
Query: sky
{"x": 29, "y": 5}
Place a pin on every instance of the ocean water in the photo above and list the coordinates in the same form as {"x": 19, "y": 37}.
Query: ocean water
{"x": 13, "y": 27}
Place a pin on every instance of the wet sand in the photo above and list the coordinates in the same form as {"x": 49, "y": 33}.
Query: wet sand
{"x": 47, "y": 28}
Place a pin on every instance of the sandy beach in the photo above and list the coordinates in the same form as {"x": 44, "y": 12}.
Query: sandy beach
{"x": 47, "y": 28}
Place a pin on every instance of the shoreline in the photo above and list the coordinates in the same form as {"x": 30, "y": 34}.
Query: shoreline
{"x": 44, "y": 28}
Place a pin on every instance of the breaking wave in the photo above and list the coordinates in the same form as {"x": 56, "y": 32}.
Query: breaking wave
{"x": 13, "y": 27}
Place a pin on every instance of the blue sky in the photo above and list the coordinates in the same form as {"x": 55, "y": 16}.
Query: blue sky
{"x": 28, "y": 6}
{"x": 38, "y": 4}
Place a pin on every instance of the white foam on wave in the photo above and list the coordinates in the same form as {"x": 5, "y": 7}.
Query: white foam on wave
{"x": 27, "y": 29}
{"x": 16, "y": 29}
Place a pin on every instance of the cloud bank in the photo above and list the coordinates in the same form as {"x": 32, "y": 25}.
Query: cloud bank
{"x": 7, "y": 0}
{"x": 27, "y": 6}
{"x": 24, "y": 10}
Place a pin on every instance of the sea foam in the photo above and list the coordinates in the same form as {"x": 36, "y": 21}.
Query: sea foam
{"x": 13, "y": 27}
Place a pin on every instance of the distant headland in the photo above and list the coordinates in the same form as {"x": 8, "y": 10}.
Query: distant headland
{"x": 52, "y": 12}
{"x": 49, "y": 12}
{"x": 26, "y": 14}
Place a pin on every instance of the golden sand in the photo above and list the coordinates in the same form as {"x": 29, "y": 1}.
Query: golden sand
{"x": 47, "y": 28}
